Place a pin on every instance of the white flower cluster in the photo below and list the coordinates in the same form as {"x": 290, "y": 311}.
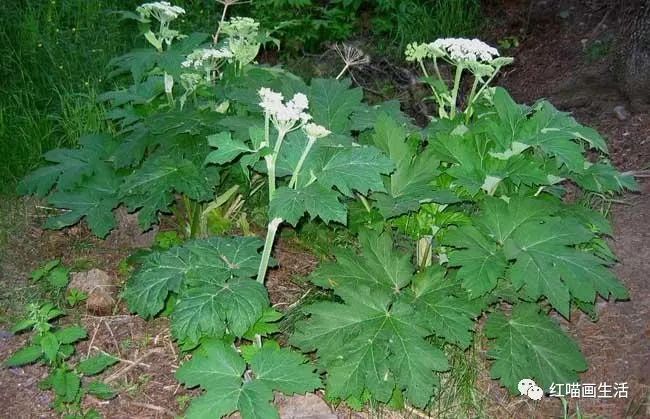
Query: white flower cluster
{"x": 206, "y": 57}
{"x": 290, "y": 115}
{"x": 160, "y": 10}
{"x": 462, "y": 49}
{"x": 241, "y": 26}
{"x": 243, "y": 34}
{"x": 455, "y": 49}
{"x": 315, "y": 131}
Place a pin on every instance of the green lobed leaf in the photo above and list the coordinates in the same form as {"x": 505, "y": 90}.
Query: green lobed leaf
{"x": 71, "y": 166}
{"x": 315, "y": 200}
{"x": 332, "y": 102}
{"x": 151, "y": 188}
{"x": 380, "y": 267}
{"x": 357, "y": 168}
{"x": 217, "y": 368}
{"x": 375, "y": 340}
{"x": 411, "y": 182}
{"x": 481, "y": 262}
{"x": 604, "y": 178}
{"x": 93, "y": 199}
{"x": 228, "y": 148}
{"x": 449, "y": 314}
{"x": 212, "y": 279}
{"x": 284, "y": 370}
{"x": 209, "y": 305}
{"x": 529, "y": 344}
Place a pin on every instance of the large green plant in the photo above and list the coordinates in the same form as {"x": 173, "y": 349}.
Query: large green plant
{"x": 482, "y": 184}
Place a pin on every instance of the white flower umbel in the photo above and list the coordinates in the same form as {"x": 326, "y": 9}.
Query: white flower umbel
{"x": 313, "y": 133}
{"x": 164, "y": 13}
{"x": 461, "y": 49}
{"x": 243, "y": 39}
{"x": 287, "y": 116}
{"x": 208, "y": 60}
{"x": 472, "y": 55}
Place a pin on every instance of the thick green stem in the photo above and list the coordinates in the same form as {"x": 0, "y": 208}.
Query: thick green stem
{"x": 454, "y": 92}
{"x": 468, "y": 109}
{"x": 487, "y": 83}
{"x": 270, "y": 168}
{"x": 268, "y": 246}
{"x": 296, "y": 172}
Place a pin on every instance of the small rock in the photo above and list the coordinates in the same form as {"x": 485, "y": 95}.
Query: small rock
{"x": 309, "y": 406}
{"x": 621, "y": 113}
{"x": 98, "y": 286}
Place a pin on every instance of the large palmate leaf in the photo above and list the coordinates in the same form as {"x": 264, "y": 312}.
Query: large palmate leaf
{"x": 332, "y": 102}
{"x": 370, "y": 343}
{"x": 71, "y": 165}
{"x": 553, "y": 133}
{"x": 365, "y": 116}
{"x": 349, "y": 169}
{"x": 473, "y": 165}
{"x": 375, "y": 340}
{"x": 92, "y": 199}
{"x": 140, "y": 61}
{"x": 380, "y": 267}
{"x": 547, "y": 259}
{"x": 411, "y": 182}
{"x": 172, "y": 133}
{"x": 151, "y": 188}
{"x": 548, "y": 264}
{"x": 228, "y": 148}
{"x": 291, "y": 204}
{"x": 213, "y": 281}
{"x": 603, "y": 178}
{"x": 480, "y": 260}
{"x": 218, "y": 369}
{"x": 447, "y": 311}
{"x": 529, "y": 344}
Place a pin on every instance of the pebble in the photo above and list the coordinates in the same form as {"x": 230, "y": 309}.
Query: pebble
{"x": 621, "y": 113}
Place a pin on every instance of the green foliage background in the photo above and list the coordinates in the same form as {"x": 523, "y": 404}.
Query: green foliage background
{"x": 54, "y": 55}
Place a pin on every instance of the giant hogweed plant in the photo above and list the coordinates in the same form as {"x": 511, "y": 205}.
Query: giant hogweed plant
{"x": 151, "y": 158}
{"x": 484, "y": 181}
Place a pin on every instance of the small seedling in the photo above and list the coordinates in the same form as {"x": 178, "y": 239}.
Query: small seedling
{"x": 54, "y": 274}
{"x": 53, "y": 346}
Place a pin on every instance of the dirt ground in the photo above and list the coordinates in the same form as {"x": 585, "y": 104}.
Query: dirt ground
{"x": 559, "y": 57}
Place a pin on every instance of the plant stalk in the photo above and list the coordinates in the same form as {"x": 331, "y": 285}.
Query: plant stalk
{"x": 342, "y": 71}
{"x": 303, "y": 157}
{"x": 454, "y": 93}
{"x": 268, "y": 246}
{"x": 215, "y": 38}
